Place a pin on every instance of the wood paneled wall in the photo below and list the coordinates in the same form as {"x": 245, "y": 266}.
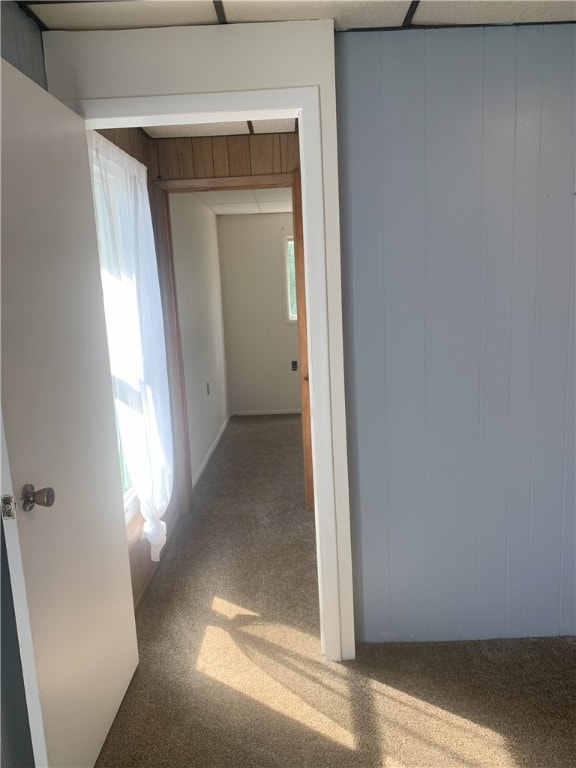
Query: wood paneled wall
{"x": 227, "y": 156}
{"x": 217, "y": 157}
{"x": 136, "y": 143}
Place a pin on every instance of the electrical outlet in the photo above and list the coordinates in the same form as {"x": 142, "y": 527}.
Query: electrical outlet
{"x": 294, "y": 365}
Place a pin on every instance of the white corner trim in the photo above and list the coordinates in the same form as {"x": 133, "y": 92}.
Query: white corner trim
{"x": 210, "y": 452}
{"x": 234, "y": 106}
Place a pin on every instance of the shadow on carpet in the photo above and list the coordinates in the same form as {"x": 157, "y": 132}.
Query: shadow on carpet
{"x": 231, "y": 673}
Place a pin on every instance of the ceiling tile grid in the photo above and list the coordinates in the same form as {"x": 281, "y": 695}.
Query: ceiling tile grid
{"x": 467, "y": 12}
{"x": 273, "y": 195}
{"x": 125, "y": 15}
{"x": 202, "y": 129}
{"x": 247, "y": 201}
{"x": 274, "y": 126}
{"x": 278, "y": 207}
{"x": 220, "y": 129}
{"x": 347, "y": 14}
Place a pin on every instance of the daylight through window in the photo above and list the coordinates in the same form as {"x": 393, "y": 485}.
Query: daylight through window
{"x": 291, "y": 280}
{"x": 135, "y": 332}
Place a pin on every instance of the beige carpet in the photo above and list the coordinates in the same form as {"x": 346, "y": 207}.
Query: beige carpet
{"x": 231, "y": 673}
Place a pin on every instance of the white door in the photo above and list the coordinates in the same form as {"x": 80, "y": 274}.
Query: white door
{"x": 69, "y": 562}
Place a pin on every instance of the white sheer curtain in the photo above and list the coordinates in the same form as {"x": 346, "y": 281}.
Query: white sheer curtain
{"x": 135, "y": 330}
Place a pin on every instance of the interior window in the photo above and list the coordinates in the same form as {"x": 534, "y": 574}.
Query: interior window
{"x": 291, "y": 280}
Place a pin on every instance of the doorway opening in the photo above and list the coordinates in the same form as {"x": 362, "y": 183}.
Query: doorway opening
{"x": 238, "y": 288}
{"x": 325, "y": 351}
{"x": 267, "y": 368}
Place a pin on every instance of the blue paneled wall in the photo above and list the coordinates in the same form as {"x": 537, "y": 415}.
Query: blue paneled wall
{"x": 457, "y": 159}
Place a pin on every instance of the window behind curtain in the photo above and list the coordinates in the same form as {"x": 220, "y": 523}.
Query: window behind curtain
{"x": 135, "y": 332}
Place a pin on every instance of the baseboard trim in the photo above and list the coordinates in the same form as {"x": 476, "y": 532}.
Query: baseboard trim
{"x": 210, "y": 452}
{"x": 268, "y": 413}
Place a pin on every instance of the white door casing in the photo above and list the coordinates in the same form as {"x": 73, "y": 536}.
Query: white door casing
{"x": 328, "y": 444}
{"x": 69, "y": 563}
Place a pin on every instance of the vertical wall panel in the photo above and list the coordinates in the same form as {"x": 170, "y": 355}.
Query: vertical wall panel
{"x": 497, "y": 236}
{"x": 220, "y": 156}
{"x": 523, "y": 317}
{"x": 289, "y": 152}
{"x": 457, "y": 185}
{"x": 175, "y": 158}
{"x": 239, "y": 156}
{"x": 202, "y": 154}
{"x": 454, "y": 294}
{"x": 555, "y": 255}
{"x": 265, "y": 154}
{"x": 568, "y": 559}
{"x": 360, "y": 134}
{"x": 403, "y": 223}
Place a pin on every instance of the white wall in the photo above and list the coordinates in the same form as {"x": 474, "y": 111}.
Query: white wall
{"x": 457, "y": 159}
{"x": 260, "y": 342}
{"x": 197, "y": 270}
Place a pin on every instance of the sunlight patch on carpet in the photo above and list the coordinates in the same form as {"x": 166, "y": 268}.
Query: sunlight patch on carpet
{"x": 230, "y": 610}
{"x": 228, "y": 660}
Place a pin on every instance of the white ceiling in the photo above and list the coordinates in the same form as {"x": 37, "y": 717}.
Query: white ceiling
{"x": 347, "y": 14}
{"x": 221, "y": 129}
{"x": 440, "y": 12}
{"x": 246, "y": 201}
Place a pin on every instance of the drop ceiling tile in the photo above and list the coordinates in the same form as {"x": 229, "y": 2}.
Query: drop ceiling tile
{"x": 274, "y": 126}
{"x": 438, "y": 12}
{"x": 230, "y": 209}
{"x": 282, "y": 194}
{"x": 227, "y": 197}
{"x": 127, "y": 15}
{"x": 202, "y": 129}
{"x": 279, "y": 206}
{"x": 347, "y": 14}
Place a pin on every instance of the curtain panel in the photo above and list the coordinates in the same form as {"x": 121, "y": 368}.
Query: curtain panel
{"x": 135, "y": 330}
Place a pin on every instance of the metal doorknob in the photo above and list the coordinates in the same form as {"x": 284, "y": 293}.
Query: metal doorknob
{"x": 29, "y": 497}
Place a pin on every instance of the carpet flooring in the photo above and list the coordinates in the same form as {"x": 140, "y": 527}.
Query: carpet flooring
{"x": 231, "y": 674}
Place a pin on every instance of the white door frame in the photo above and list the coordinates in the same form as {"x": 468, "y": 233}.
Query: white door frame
{"x": 332, "y": 514}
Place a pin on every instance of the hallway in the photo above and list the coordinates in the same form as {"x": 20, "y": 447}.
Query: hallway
{"x": 231, "y": 674}
{"x": 236, "y": 588}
